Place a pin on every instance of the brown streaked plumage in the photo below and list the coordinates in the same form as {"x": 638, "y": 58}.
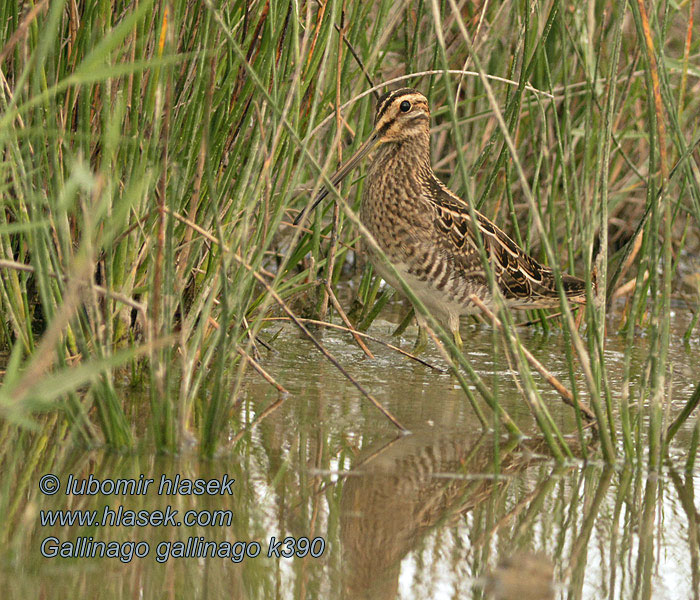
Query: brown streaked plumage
{"x": 425, "y": 230}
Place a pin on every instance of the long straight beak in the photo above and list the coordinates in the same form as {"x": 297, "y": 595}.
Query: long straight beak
{"x": 342, "y": 171}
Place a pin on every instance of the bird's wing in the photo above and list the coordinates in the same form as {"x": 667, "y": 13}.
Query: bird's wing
{"x": 519, "y": 276}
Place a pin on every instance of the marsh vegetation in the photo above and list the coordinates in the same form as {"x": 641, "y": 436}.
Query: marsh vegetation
{"x": 160, "y": 310}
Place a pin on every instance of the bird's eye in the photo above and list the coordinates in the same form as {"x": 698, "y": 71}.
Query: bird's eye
{"x": 405, "y": 106}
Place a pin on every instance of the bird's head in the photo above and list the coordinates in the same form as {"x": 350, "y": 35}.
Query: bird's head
{"x": 402, "y": 115}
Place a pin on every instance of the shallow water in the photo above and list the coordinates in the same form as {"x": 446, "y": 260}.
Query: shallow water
{"x": 446, "y": 512}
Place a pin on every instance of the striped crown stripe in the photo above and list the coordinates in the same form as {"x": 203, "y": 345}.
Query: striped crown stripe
{"x": 385, "y": 101}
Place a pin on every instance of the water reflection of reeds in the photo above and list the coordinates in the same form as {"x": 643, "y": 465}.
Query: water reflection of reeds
{"x": 405, "y": 516}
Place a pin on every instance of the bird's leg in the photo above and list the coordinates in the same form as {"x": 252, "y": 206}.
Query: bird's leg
{"x": 405, "y": 322}
{"x": 421, "y": 344}
{"x": 457, "y": 339}
{"x": 454, "y": 329}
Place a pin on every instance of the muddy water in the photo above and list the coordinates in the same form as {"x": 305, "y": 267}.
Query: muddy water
{"x": 330, "y": 502}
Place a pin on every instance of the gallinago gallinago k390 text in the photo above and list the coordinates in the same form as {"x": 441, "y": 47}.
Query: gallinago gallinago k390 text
{"x": 426, "y": 231}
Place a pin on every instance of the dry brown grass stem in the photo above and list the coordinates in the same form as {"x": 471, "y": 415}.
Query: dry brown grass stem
{"x": 363, "y": 335}
{"x": 566, "y": 395}
{"x": 262, "y": 372}
{"x": 22, "y": 30}
{"x": 102, "y": 291}
{"x": 345, "y": 319}
{"x": 288, "y": 311}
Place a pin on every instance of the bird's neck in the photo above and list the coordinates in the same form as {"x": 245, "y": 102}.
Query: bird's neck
{"x": 407, "y": 158}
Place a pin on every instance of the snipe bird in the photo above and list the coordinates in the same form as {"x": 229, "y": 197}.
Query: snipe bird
{"x": 426, "y": 230}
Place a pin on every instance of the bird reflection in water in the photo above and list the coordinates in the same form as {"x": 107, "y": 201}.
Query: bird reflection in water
{"x": 402, "y": 491}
